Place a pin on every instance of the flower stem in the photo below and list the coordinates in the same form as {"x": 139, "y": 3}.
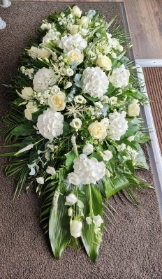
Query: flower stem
{"x": 90, "y": 201}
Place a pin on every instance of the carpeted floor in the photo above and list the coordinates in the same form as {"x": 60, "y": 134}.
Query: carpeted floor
{"x": 132, "y": 247}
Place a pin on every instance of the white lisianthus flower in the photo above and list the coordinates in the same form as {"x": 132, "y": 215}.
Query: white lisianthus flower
{"x": 50, "y": 124}
{"x": 27, "y": 93}
{"x": 79, "y": 99}
{"x": 97, "y": 130}
{"x": 76, "y": 123}
{"x": 71, "y": 42}
{"x": 31, "y": 107}
{"x": 57, "y": 101}
{"x": 75, "y": 55}
{"x": 50, "y": 170}
{"x": 105, "y": 122}
{"x": 43, "y": 79}
{"x": 113, "y": 100}
{"x": 26, "y": 148}
{"x": 118, "y": 125}
{"x": 84, "y": 21}
{"x": 55, "y": 89}
{"x": 73, "y": 178}
{"x": 75, "y": 228}
{"x": 73, "y": 29}
{"x": 97, "y": 220}
{"x": 76, "y": 11}
{"x": 95, "y": 82}
{"x": 104, "y": 62}
{"x": 71, "y": 199}
{"x": 89, "y": 220}
{"x": 45, "y": 26}
{"x": 40, "y": 180}
{"x": 107, "y": 155}
{"x": 134, "y": 109}
{"x": 51, "y": 35}
{"x": 105, "y": 99}
{"x": 120, "y": 77}
{"x": 88, "y": 149}
{"x": 88, "y": 170}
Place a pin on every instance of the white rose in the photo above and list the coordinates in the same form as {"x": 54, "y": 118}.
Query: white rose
{"x": 57, "y": 101}
{"x": 107, "y": 155}
{"x": 84, "y": 21}
{"x": 97, "y": 220}
{"x": 27, "y": 92}
{"x": 43, "y": 53}
{"x": 88, "y": 149}
{"x": 71, "y": 199}
{"x": 104, "y": 62}
{"x": 134, "y": 109}
{"x": 75, "y": 228}
{"x": 50, "y": 170}
{"x": 73, "y": 29}
{"x": 30, "y": 108}
{"x": 76, "y": 123}
{"x": 76, "y": 11}
{"x": 40, "y": 180}
{"x": 97, "y": 130}
{"x": 75, "y": 55}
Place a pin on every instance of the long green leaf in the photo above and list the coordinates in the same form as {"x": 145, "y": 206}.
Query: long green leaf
{"x": 92, "y": 205}
{"x": 59, "y": 227}
{"x": 113, "y": 186}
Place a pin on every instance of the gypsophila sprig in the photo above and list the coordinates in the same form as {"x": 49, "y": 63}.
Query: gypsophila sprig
{"x": 75, "y": 122}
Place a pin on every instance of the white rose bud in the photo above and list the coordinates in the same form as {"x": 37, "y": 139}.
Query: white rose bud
{"x": 27, "y": 93}
{"x": 84, "y": 21}
{"x": 73, "y": 29}
{"x": 75, "y": 228}
{"x": 50, "y": 170}
{"x": 71, "y": 199}
{"x": 134, "y": 109}
{"x": 40, "y": 180}
{"x": 76, "y": 11}
{"x": 104, "y": 62}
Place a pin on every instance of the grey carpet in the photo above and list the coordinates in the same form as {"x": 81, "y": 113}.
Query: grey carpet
{"x": 132, "y": 247}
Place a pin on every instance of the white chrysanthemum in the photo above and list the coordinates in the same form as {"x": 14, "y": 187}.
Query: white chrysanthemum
{"x": 51, "y": 35}
{"x": 50, "y": 124}
{"x": 88, "y": 170}
{"x": 118, "y": 125}
{"x": 43, "y": 79}
{"x": 95, "y": 82}
{"x": 68, "y": 43}
{"x": 120, "y": 77}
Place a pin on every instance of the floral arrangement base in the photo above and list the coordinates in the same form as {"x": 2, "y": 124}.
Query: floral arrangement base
{"x": 74, "y": 121}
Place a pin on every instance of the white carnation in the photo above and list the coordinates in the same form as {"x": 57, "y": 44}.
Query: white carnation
{"x": 43, "y": 79}
{"x": 88, "y": 170}
{"x": 50, "y": 124}
{"x": 95, "y": 82}
{"x": 68, "y": 43}
{"x": 120, "y": 77}
{"x": 118, "y": 125}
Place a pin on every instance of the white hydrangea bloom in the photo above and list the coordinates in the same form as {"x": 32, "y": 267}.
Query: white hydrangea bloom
{"x": 95, "y": 82}
{"x": 88, "y": 170}
{"x": 51, "y": 35}
{"x": 68, "y": 43}
{"x": 120, "y": 77}
{"x": 118, "y": 125}
{"x": 43, "y": 79}
{"x": 50, "y": 124}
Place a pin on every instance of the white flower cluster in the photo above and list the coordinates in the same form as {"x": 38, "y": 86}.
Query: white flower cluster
{"x": 68, "y": 43}
{"x": 51, "y": 35}
{"x": 95, "y": 82}
{"x": 27, "y": 72}
{"x": 118, "y": 125}
{"x": 50, "y": 124}
{"x": 86, "y": 171}
{"x": 120, "y": 77}
{"x": 43, "y": 79}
